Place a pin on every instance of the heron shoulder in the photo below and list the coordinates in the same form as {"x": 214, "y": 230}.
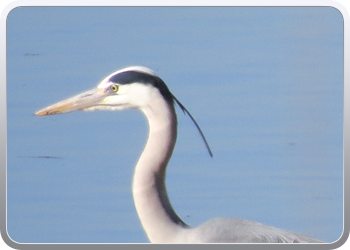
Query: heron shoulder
{"x": 234, "y": 230}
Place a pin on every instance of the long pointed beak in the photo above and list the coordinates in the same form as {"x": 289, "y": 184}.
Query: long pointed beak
{"x": 82, "y": 101}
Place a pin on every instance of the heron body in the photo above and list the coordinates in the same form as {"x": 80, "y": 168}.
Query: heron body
{"x": 140, "y": 88}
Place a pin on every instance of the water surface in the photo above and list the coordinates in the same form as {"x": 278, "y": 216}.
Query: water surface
{"x": 265, "y": 85}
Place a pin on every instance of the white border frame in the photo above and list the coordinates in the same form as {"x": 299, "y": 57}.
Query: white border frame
{"x": 9, "y": 5}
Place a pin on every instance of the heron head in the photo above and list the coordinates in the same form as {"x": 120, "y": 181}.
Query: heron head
{"x": 133, "y": 87}
{"x": 128, "y": 88}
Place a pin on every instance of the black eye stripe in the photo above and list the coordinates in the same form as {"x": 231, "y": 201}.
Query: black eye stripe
{"x": 129, "y": 77}
{"x": 133, "y": 76}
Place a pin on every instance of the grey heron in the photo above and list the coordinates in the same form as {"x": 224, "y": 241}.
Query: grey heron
{"x": 140, "y": 88}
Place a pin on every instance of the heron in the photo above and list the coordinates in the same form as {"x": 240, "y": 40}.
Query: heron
{"x": 138, "y": 87}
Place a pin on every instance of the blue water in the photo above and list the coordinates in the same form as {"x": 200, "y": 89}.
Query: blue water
{"x": 265, "y": 85}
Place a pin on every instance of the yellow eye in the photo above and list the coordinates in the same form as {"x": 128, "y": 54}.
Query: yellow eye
{"x": 115, "y": 88}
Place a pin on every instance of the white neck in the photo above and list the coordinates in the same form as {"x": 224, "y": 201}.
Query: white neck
{"x": 157, "y": 216}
